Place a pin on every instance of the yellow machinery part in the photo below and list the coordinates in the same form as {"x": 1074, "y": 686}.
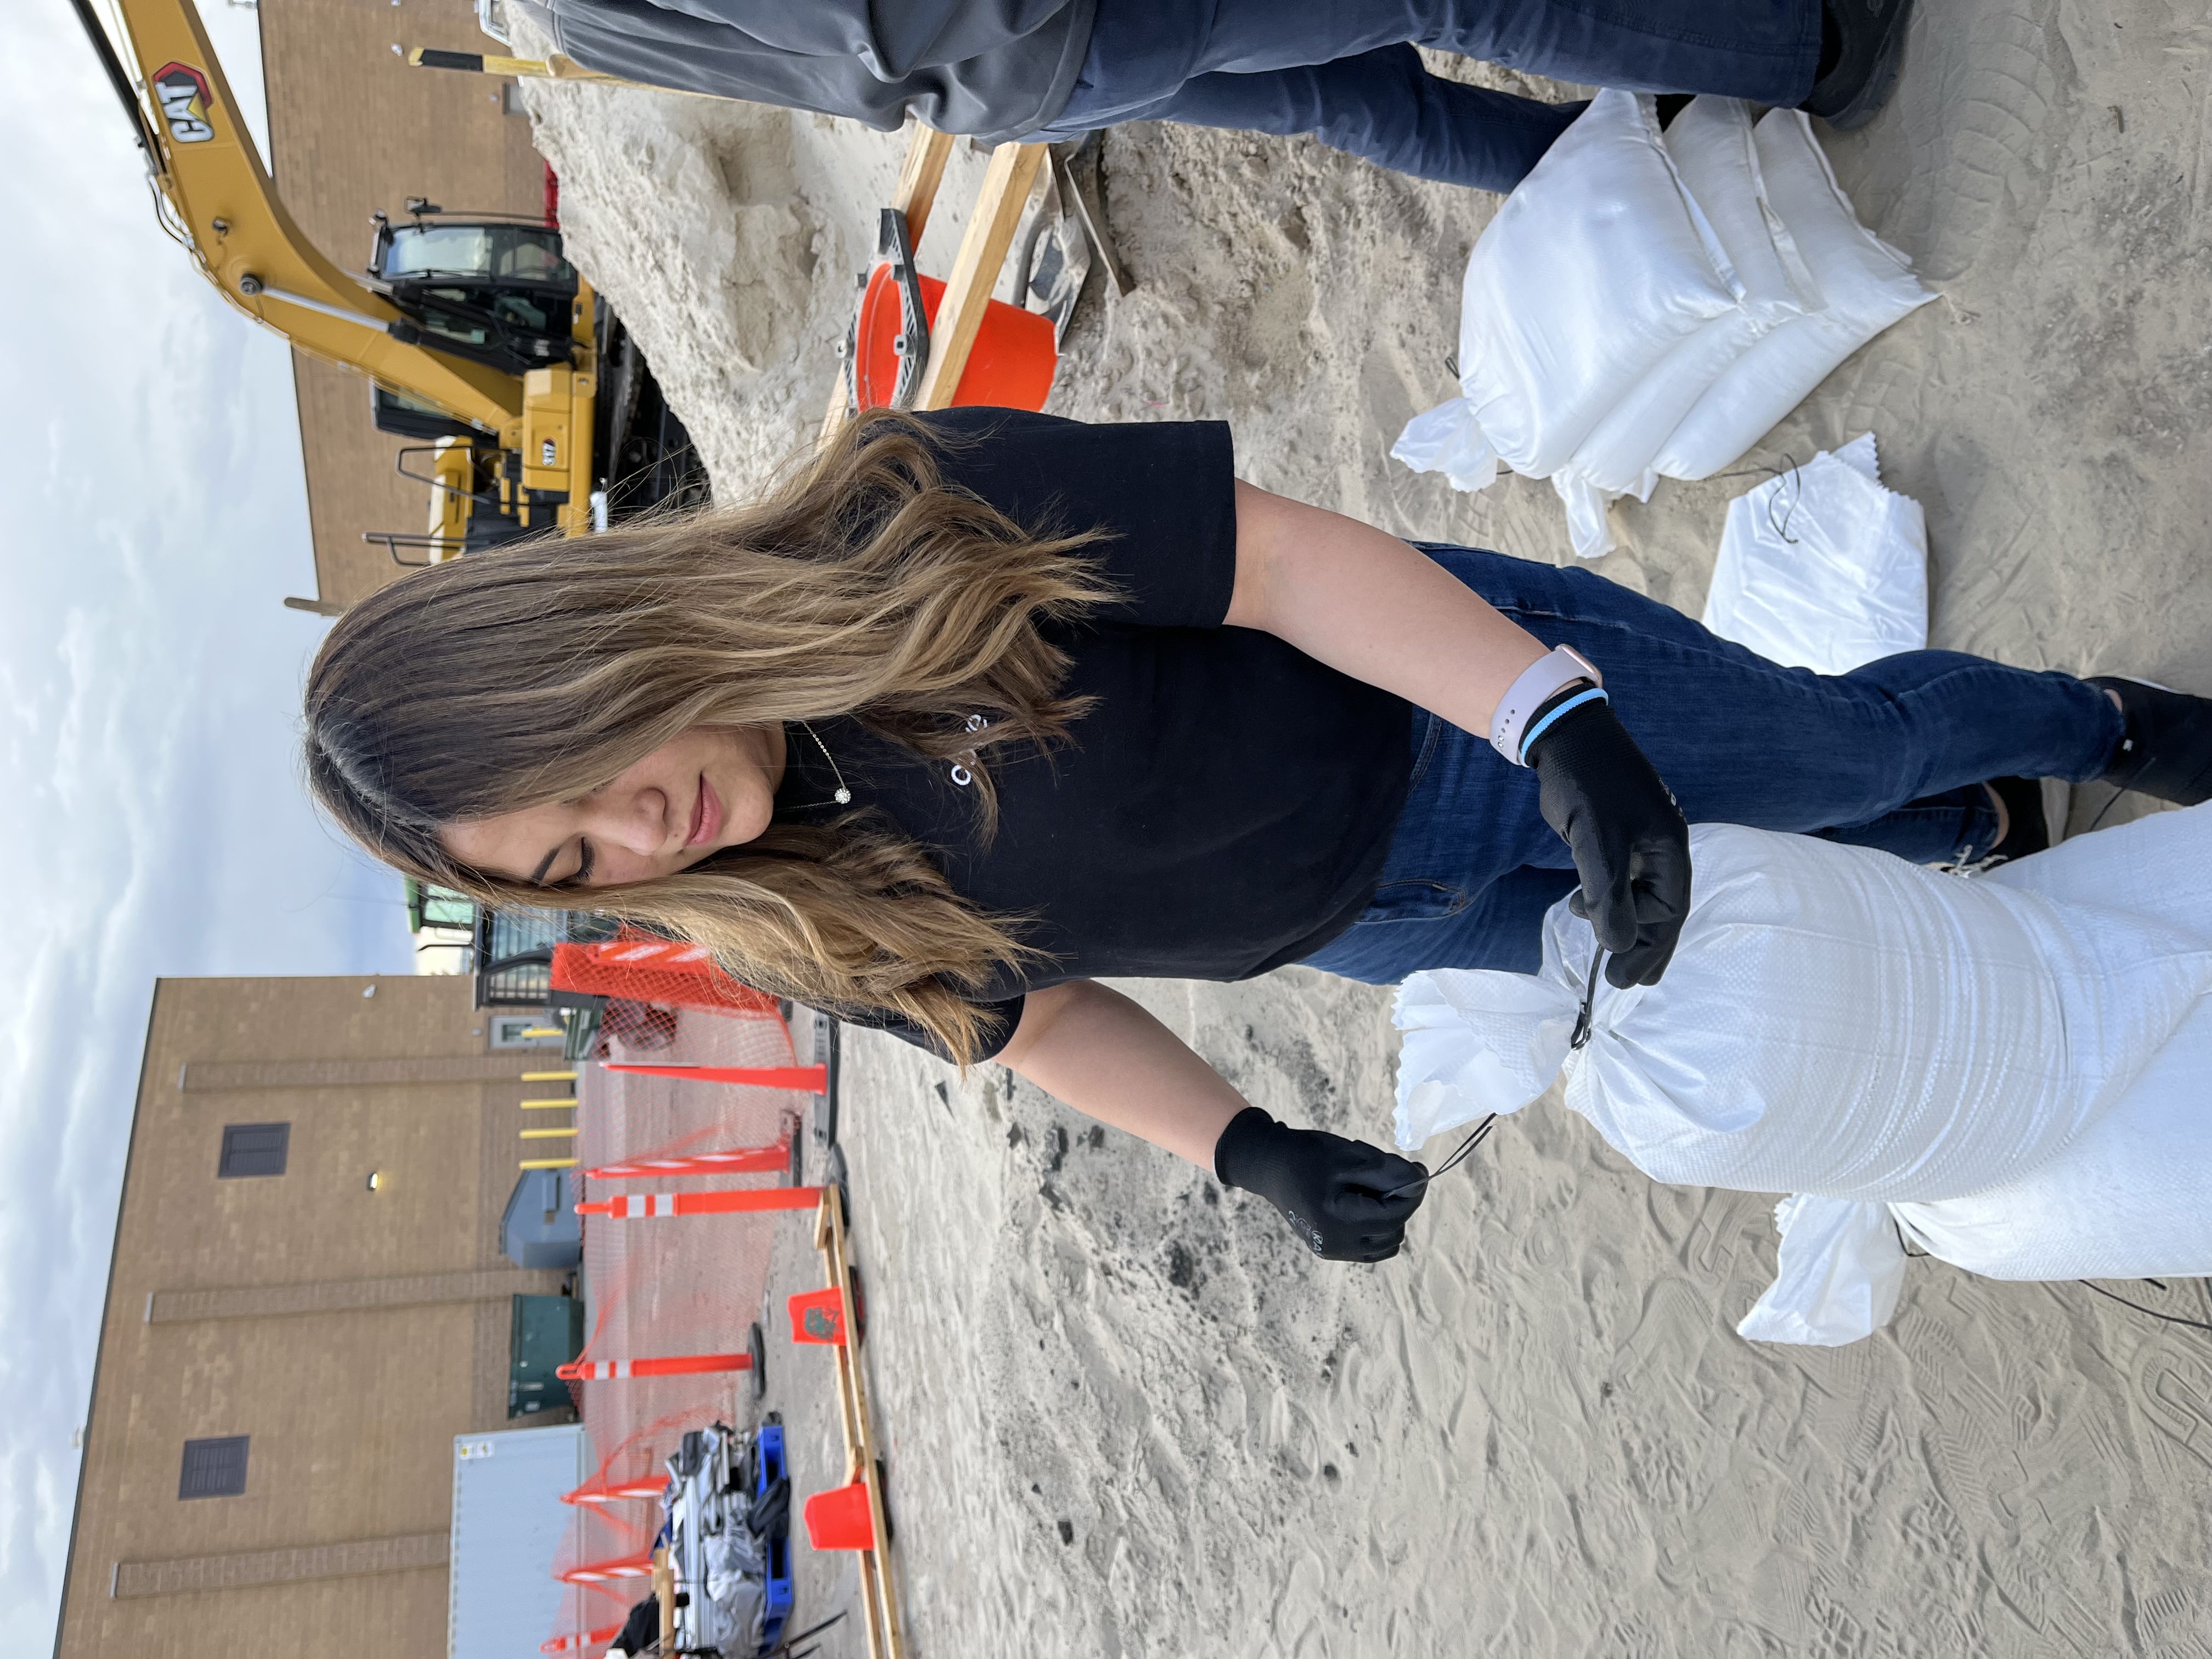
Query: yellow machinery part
{"x": 559, "y": 404}
{"x": 453, "y": 481}
{"x": 247, "y": 244}
{"x": 547, "y": 434}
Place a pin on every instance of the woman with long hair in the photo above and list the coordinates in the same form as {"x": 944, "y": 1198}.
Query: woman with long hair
{"x": 979, "y": 706}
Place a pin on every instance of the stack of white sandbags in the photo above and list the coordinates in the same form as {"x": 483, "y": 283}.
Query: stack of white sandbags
{"x": 2009, "y": 1069}
{"x": 1649, "y": 304}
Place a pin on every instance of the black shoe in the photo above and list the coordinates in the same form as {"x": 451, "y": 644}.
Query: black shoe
{"x": 1869, "y": 38}
{"x": 2027, "y": 827}
{"x": 2165, "y": 749}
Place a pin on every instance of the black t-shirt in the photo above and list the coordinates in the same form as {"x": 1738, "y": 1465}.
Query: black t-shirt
{"x": 641, "y": 1629}
{"x": 1224, "y": 806}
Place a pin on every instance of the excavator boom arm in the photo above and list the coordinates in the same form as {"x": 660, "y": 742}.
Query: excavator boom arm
{"x": 205, "y": 164}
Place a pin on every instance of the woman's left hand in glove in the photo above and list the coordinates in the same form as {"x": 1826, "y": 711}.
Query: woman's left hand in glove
{"x": 1630, "y": 844}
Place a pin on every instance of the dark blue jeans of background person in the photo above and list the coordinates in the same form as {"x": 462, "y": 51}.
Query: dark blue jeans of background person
{"x": 1346, "y": 71}
{"x": 1891, "y": 755}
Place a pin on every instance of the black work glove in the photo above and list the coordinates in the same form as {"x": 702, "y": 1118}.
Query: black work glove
{"x": 1631, "y": 845}
{"x": 1348, "y": 1201}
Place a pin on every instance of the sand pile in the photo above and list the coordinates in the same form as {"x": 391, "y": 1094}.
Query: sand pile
{"x": 1126, "y": 1414}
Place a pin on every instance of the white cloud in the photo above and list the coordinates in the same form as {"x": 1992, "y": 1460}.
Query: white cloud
{"x": 151, "y": 822}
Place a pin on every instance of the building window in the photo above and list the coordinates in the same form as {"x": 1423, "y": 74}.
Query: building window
{"x": 526, "y": 1031}
{"x": 214, "y": 1468}
{"x": 253, "y": 1148}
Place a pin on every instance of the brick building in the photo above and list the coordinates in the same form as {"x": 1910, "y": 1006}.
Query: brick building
{"x": 286, "y": 1351}
{"x": 352, "y": 129}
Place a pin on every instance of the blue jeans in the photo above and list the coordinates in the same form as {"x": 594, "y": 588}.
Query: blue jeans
{"x": 1346, "y": 71}
{"x": 1891, "y": 755}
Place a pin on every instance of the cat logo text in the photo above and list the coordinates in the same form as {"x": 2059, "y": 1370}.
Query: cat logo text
{"x": 185, "y": 104}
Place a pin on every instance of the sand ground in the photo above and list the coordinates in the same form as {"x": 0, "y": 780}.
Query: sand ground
{"x": 1126, "y": 1414}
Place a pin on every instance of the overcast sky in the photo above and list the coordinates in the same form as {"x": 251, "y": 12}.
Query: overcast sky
{"x": 150, "y": 676}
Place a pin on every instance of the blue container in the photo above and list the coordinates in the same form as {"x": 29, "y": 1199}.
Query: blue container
{"x": 768, "y": 1469}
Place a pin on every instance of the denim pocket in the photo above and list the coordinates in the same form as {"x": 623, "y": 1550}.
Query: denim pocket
{"x": 1413, "y": 901}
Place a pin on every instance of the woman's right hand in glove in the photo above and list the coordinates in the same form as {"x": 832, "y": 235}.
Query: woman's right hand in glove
{"x": 1105, "y": 1056}
{"x": 1347, "y": 1200}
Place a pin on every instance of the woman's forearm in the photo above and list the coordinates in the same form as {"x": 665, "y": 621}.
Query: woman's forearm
{"x": 1373, "y": 607}
{"x": 1105, "y": 1056}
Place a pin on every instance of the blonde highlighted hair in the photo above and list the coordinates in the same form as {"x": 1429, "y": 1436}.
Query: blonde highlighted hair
{"x": 862, "y": 586}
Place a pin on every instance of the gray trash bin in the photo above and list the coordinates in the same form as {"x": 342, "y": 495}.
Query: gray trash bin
{"x": 541, "y": 1228}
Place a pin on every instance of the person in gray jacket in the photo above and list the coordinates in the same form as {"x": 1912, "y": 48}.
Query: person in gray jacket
{"x": 1348, "y": 71}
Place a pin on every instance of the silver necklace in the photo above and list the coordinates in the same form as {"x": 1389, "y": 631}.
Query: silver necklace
{"x": 843, "y": 797}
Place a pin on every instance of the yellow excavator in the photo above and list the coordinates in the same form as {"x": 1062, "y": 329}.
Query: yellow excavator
{"x": 533, "y": 408}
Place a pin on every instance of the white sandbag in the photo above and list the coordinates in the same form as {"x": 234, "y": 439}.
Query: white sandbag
{"x": 2131, "y": 1196}
{"x": 1715, "y": 148}
{"x": 1822, "y": 568}
{"x": 1716, "y": 157}
{"x": 1865, "y": 285}
{"x": 1596, "y": 265}
{"x": 1836, "y": 1022}
{"x": 1585, "y": 500}
{"x": 1448, "y": 438}
{"x": 1837, "y": 1273}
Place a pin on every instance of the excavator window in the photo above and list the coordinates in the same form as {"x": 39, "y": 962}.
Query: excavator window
{"x": 494, "y": 254}
{"x": 499, "y": 293}
{"x": 404, "y": 417}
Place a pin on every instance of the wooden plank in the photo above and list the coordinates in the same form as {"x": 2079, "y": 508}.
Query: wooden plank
{"x": 1006, "y": 192}
{"x": 832, "y": 414}
{"x": 664, "y": 1591}
{"x": 923, "y": 171}
{"x": 878, "y": 1589}
{"x": 925, "y": 156}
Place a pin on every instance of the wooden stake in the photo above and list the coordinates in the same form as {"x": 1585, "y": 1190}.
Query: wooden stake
{"x": 664, "y": 1591}
{"x": 919, "y": 177}
{"x": 999, "y": 205}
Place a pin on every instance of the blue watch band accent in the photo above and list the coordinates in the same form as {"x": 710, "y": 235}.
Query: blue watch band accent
{"x": 1595, "y": 694}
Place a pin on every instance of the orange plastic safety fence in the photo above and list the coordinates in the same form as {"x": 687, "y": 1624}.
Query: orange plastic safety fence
{"x": 657, "y": 970}
{"x": 600, "y": 1572}
{"x": 577, "y": 1641}
{"x": 691, "y": 1285}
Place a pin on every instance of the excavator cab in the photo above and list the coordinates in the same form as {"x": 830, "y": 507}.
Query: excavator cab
{"x": 497, "y": 292}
